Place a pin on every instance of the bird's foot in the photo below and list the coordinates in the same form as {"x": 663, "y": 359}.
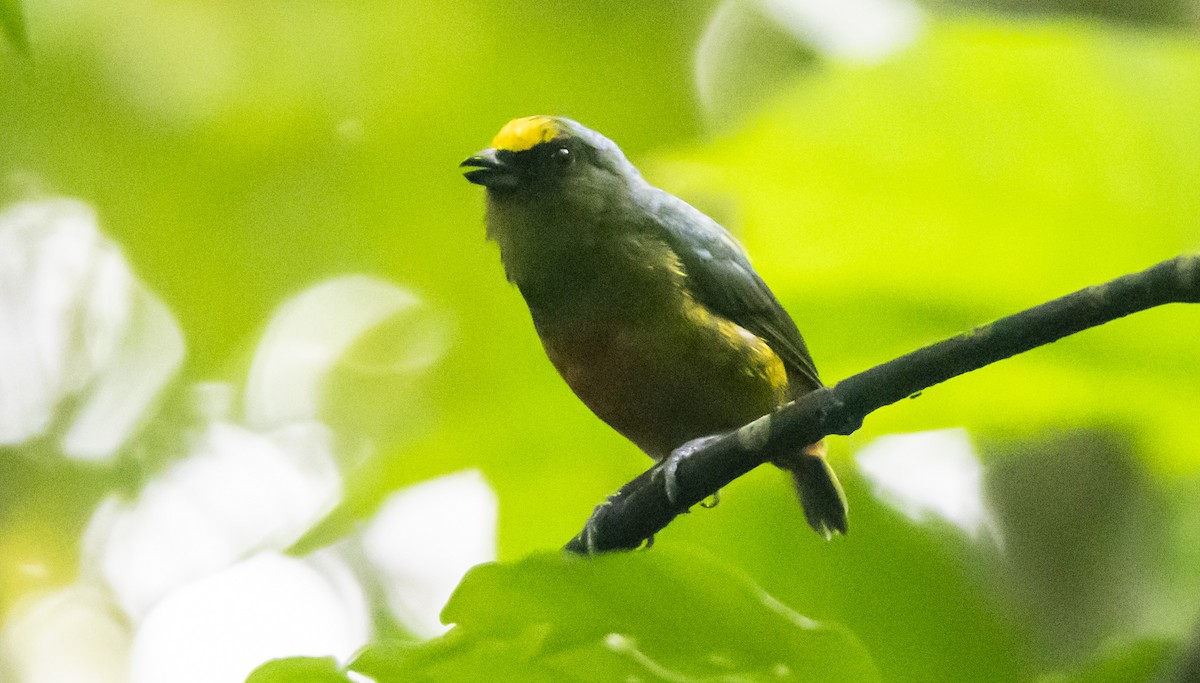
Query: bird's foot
{"x": 671, "y": 464}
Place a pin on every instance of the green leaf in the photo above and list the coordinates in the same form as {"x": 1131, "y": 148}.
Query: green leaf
{"x": 669, "y": 615}
{"x": 386, "y": 660}
{"x": 12, "y": 21}
{"x": 910, "y": 593}
{"x": 299, "y": 670}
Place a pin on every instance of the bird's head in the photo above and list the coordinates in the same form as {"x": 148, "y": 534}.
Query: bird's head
{"x": 551, "y": 160}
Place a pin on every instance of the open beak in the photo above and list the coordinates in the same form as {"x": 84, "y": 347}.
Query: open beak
{"x": 489, "y": 170}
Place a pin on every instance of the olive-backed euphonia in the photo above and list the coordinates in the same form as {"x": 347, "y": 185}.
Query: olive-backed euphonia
{"x": 648, "y": 308}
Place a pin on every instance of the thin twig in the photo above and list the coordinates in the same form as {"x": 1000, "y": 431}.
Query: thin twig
{"x": 641, "y": 508}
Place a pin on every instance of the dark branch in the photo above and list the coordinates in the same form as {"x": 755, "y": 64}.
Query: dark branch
{"x": 641, "y": 508}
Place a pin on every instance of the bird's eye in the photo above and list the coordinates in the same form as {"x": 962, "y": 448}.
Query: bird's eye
{"x": 563, "y": 157}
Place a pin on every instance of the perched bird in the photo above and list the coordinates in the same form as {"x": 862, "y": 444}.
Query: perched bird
{"x": 648, "y": 308}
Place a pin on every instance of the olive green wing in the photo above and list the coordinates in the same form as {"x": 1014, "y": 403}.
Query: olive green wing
{"x": 722, "y": 279}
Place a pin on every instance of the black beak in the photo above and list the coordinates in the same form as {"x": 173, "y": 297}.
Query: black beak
{"x": 491, "y": 171}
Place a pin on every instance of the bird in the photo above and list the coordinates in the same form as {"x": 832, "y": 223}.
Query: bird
{"x": 648, "y": 309}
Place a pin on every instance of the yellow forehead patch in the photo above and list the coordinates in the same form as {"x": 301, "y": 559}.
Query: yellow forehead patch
{"x": 519, "y": 135}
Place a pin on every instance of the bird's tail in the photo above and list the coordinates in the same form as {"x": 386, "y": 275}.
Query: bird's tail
{"x": 821, "y": 494}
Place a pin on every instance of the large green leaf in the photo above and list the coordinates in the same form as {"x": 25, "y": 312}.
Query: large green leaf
{"x": 912, "y": 593}
{"x": 665, "y": 615}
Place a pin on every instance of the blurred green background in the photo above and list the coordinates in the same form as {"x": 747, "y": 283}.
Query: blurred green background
{"x": 240, "y": 151}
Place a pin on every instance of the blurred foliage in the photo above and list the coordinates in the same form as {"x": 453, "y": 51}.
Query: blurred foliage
{"x": 1144, "y": 661}
{"x": 242, "y": 150}
{"x": 12, "y": 21}
{"x": 983, "y": 171}
{"x": 1175, "y": 13}
{"x": 1079, "y": 579}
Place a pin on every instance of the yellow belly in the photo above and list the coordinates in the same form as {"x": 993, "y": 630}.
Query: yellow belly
{"x": 665, "y": 379}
